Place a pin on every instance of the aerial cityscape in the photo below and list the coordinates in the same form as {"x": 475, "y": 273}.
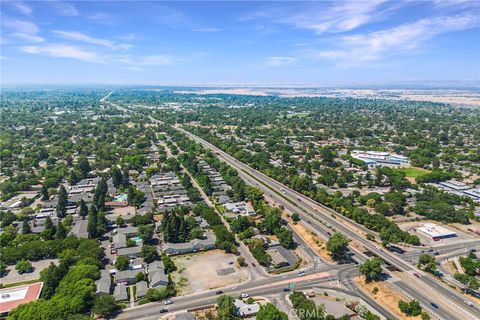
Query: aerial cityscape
{"x": 265, "y": 160}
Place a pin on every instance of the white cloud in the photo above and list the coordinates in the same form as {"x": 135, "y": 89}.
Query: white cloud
{"x": 279, "y": 61}
{"x": 63, "y": 51}
{"x": 321, "y": 18}
{"x": 78, "y": 36}
{"x": 64, "y": 8}
{"x": 21, "y": 26}
{"x": 27, "y": 37}
{"x": 22, "y": 8}
{"x": 23, "y": 30}
{"x": 406, "y": 38}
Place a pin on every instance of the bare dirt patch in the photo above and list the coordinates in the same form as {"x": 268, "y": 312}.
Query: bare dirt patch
{"x": 313, "y": 240}
{"x": 386, "y": 296}
{"x": 207, "y": 270}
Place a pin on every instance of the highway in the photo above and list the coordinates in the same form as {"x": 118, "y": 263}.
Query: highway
{"x": 423, "y": 288}
{"x": 451, "y": 303}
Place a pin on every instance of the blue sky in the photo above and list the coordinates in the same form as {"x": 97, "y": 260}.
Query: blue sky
{"x": 245, "y": 43}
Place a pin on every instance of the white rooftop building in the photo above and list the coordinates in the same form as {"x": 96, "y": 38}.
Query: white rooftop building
{"x": 435, "y": 232}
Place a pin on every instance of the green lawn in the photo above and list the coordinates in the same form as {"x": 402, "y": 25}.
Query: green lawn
{"x": 413, "y": 172}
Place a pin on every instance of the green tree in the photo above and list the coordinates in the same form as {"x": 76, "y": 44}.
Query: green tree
{"x": 62, "y": 202}
{"x": 412, "y": 308}
{"x": 285, "y": 237}
{"x": 84, "y": 166}
{"x": 270, "y": 312}
{"x": 149, "y": 253}
{"x": 427, "y": 263}
{"x": 156, "y": 294}
{"x": 61, "y": 231}
{"x": 24, "y": 266}
{"x": 146, "y": 232}
{"x": 337, "y": 245}
{"x": 49, "y": 232}
{"x": 371, "y": 268}
{"x": 226, "y": 309}
{"x": 92, "y": 222}
{"x": 168, "y": 264}
{"x": 50, "y": 277}
{"x": 105, "y": 305}
{"x": 26, "y": 227}
{"x": 44, "y": 193}
{"x": 83, "y": 212}
{"x": 117, "y": 178}
{"x": 122, "y": 263}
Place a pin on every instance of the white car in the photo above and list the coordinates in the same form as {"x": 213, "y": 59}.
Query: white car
{"x": 468, "y": 303}
{"x": 168, "y": 302}
{"x": 244, "y": 295}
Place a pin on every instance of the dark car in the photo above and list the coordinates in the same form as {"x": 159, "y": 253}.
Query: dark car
{"x": 163, "y": 310}
{"x": 434, "y": 305}
{"x": 218, "y": 292}
{"x": 253, "y": 264}
{"x": 286, "y": 289}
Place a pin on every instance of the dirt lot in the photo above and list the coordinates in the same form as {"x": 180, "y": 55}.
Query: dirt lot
{"x": 386, "y": 296}
{"x": 313, "y": 240}
{"x": 208, "y": 270}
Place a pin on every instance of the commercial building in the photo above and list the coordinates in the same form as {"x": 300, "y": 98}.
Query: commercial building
{"x": 435, "y": 232}
{"x": 10, "y": 298}
{"x": 379, "y": 157}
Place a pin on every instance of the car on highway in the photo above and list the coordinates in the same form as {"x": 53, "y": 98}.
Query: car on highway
{"x": 244, "y": 295}
{"x": 468, "y": 303}
{"x": 163, "y": 310}
{"x": 219, "y": 292}
{"x": 286, "y": 289}
{"x": 434, "y": 305}
{"x": 253, "y": 264}
{"x": 416, "y": 275}
{"x": 167, "y": 302}
{"x": 301, "y": 273}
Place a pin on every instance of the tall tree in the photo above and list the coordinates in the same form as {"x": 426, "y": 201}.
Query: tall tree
{"x": 92, "y": 222}
{"x": 61, "y": 231}
{"x": 83, "y": 212}
{"x": 100, "y": 194}
{"x": 44, "y": 193}
{"x": 84, "y": 166}
{"x": 117, "y": 177}
{"x": 62, "y": 202}
{"x": 26, "y": 227}
{"x": 49, "y": 231}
